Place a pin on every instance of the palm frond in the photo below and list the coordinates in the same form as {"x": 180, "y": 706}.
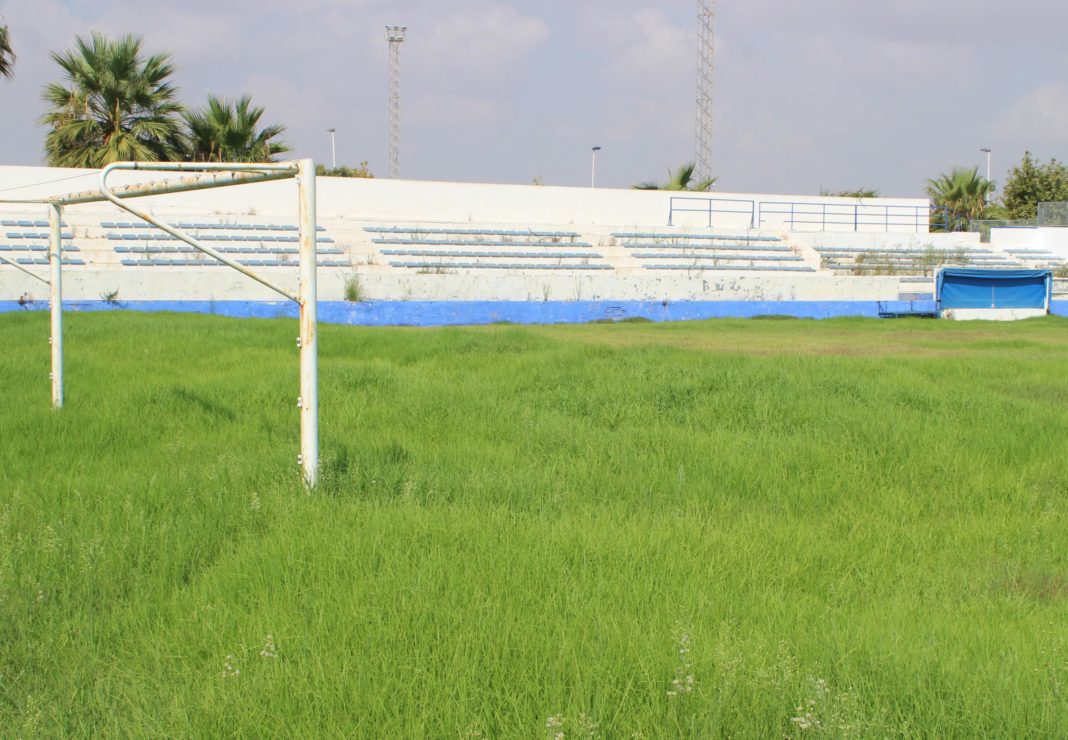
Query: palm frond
{"x": 7, "y": 55}
{"x": 680, "y": 179}
{"x": 113, "y": 104}
{"x": 226, "y": 130}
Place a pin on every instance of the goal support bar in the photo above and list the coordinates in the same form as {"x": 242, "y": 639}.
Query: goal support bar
{"x": 211, "y": 175}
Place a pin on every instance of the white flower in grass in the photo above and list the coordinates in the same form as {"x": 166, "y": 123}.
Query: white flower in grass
{"x": 806, "y": 721}
{"x": 808, "y": 715}
{"x": 230, "y": 669}
{"x": 683, "y": 682}
{"x": 269, "y": 650}
{"x": 586, "y": 726}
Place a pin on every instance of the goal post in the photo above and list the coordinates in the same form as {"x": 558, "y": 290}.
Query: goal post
{"x": 207, "y": 175}
{"x": 55, "y": 263}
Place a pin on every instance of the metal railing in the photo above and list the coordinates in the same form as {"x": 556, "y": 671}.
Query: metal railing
{"x": 818, "y": 216}
{"x": 855, "y": 217}
{"x": 710, "y": 206}
{"x": 1053, "y": 214}
{"x": 984, "y": 225}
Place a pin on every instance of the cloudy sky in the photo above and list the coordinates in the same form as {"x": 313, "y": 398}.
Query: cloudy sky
{"x": 831, "y": 93}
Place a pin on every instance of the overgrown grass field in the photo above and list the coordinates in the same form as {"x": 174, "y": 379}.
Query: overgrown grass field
{"x": 744, "y": 528}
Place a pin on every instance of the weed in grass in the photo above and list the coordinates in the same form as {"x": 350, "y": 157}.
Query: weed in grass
{"x": 559, "y": 726}
{"x": 230, "y": 669}
{"x": 354, "y": 292}
{"x": 624, "y": 320}
{"x": 683, "y": 681}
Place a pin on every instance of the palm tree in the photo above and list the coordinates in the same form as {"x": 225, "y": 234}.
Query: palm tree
{"x": 118, "y": 106}
{"x": 680, "y": 179}
{"x": 226, "y": 131}
{"x": 7, "y": 56}
{"x": 962, "y": 193}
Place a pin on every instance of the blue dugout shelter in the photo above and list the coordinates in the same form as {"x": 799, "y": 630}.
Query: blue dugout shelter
{"x": 993, "y": 289}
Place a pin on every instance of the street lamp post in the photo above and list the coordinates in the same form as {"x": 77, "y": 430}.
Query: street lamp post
{"x": 593, "y": 169}
{"x": 333, "y": 149}
{"x": 986, "y": 151}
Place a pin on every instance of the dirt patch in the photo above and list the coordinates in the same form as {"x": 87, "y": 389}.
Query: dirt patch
{"x": 1036, "y": 585}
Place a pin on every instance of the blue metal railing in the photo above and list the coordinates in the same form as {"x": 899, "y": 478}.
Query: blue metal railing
{"x": 710, "y": 206}
{"x": 792, "y": 214}
{"x": 853, "y": 216}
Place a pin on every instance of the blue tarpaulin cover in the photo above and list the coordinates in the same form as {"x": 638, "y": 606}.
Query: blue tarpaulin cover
{"x": 961, "y": 288}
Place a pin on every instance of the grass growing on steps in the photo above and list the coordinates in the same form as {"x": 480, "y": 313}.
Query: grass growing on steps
{"x": 727, "y": 527}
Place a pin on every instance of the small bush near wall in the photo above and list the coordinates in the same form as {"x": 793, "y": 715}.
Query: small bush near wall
{"x": 353, "y": 289}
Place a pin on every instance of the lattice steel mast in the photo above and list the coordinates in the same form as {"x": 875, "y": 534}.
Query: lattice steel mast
{"x": 705, "y": 50}
{"x": 394, "y": 36}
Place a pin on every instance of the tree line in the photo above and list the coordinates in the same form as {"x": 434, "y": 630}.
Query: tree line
{"x": 115, "y": 103}
{"x": 963, "y": 195}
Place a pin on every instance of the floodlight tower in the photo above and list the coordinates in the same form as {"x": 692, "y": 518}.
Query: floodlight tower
{"x": 394, "y": 36}
{"x": 705, "y": 49}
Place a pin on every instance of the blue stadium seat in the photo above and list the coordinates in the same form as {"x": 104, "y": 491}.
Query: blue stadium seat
{"x": 697, "y": 268}
{"x": 680, "y": 235}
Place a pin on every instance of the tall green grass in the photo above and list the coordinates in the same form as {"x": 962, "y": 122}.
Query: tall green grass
{"x": 754, "y": 529}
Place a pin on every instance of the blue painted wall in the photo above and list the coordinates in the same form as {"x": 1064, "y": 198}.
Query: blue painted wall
{"x": 444, "y": 313}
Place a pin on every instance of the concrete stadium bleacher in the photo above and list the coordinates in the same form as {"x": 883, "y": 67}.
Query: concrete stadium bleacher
{"x": 1037, "y": 258}
{"x": 484, "y": 248}
{"x": 139, "y": 244}
{"x": 401, "y": 243}
{"x": 31, "y": 247}
{"x": 707, "y": 250}
{"x": 908, "y": 260}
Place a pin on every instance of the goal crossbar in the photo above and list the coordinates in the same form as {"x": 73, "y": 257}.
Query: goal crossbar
{"x": 199, "y": 182}
{"x": 211, "y": 175}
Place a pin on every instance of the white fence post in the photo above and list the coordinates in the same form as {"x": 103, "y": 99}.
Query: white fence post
{"x": 309, "y": 335}
{"x": 55, "y": 259}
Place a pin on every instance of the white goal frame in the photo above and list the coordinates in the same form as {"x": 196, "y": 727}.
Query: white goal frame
{"x": 211, "y": 175}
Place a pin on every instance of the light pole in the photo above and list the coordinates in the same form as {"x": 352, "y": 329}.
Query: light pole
{"x": 593, "y": 169}
{"x": 333, "y": 149}
{"x": 986, "y": 151}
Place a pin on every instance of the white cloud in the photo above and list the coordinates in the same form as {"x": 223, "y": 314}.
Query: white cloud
{"x": 444, "y": 108}
{"x": 476, "y": 41}
{"x": 839, "y": 91}
{"x": 1040, "y": 114}
{"x": 645, "y": 45}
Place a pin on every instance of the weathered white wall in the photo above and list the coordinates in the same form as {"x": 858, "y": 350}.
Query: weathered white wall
{"x": 221, "y": 284}
{"x": 409, "y": 200}
{"x": 1053, "y": 238}
{"x": 346, "y": 205}
{"x": 992, "y": 314}
{"x": 895, "y": 240}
